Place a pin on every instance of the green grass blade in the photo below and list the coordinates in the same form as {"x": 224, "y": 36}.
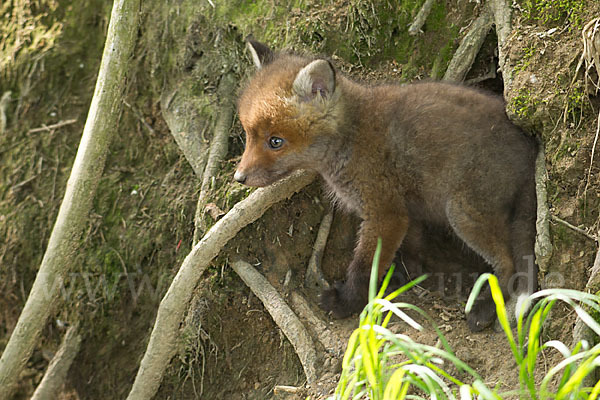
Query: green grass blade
{"x": 557, "y": 368}
{"x": 465, "y": 392}
{"x": 475, "y": 291}
{"x": 589, "y": 299}
{"x": 406, "y": 287}
{"x": 588, "y": 320}
{"x": 558, "y": 345}
{"x": 350, "y": 349}
{"x": 533, "y": 344}
{"x": 368, "y": 357}
{"x": 484, "y": 391}
{"x": 386, "y": 282}
{"x": 431, "y": 321}
{"x": 388, "y": 306}
{"x": 395, "y": 385}
{"x": 443, "y": 373}
{"x": 595, "y": 391}
{"x": 584, "y": 369}
{"x": 502, "y": 316}
{"x": 567, "y": 371}
{"x": 374, "y": 272}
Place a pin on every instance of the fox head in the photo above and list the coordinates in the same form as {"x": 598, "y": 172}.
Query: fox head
{"x": 288, "y": 111}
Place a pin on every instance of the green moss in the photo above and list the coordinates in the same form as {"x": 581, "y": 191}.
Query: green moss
{"x": 445, "y": 55}
{"x": 525, "y": 59}
{"x": 576, "y": 100}
{"x": 53, "y": 81}
{"x": 524, "y": 105}
{"x": 554, "y": 12}
{"x": 562, "y": 234}
{"x": 372, "y": 32}
{"x": 28, "y": 32}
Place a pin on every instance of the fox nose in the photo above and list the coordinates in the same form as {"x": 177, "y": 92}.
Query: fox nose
{"x": 239, "y": 176}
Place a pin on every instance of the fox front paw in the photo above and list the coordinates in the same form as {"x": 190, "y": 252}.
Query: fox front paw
{"x": 341, "y": 303}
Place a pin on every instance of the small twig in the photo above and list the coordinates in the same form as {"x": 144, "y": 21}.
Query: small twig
{"x": 49, "y": 128}
{"x": 21, "y": 184}
{"x": 415, "y": 27}
{"x": 573, "y": 227}
{"x": 281, "y": 389}
{"x": 283, "y": 316}
{"x": 54, "y": 378}
{"x": 314, "y": 275}
{"x": 139, "y": 116}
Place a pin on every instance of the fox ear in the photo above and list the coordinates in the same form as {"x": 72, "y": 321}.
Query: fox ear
{"x": 261, "y": 53}
{"x": 317, "y": 78}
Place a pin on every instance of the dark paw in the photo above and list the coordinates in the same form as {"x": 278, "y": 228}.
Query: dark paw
{"x": 482, "y": 315}
{"x": 340, "y": 304}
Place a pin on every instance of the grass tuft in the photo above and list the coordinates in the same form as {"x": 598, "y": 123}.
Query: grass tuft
{"x": 382, "y": 365}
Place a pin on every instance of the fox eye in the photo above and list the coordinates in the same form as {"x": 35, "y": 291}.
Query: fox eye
{"x": 275, "y": 142}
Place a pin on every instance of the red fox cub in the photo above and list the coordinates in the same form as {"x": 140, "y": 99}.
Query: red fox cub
{"x": 418, "y": 155}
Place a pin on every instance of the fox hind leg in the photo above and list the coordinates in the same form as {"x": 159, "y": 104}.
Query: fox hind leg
{"x": 489, "y": 236}
{"x": 523, "y": 233}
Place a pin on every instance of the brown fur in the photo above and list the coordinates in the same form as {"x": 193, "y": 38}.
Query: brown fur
{"x": 427, "y": 154}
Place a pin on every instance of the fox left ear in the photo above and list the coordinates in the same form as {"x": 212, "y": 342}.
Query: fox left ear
{"x": 260, "y": 52}
{"x": 317, "y": 78}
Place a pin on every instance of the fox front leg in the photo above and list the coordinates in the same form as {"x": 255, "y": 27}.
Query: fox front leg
{"x": 351, "y": 296}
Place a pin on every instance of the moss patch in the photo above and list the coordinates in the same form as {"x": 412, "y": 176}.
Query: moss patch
{"x": 551, "y": 13}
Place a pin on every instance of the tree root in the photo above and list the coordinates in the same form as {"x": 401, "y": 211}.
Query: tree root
{"x": 543, "y": 244}
{"x": 502, "y": 14}
{"x": 284, "y": 390}
{"x": 318, "y": 328}
{"x": 415, "y": 27}
{"x": 217, "y": 152}
{"x": 48, "y": 128}
{"x": 469, "y": 48}
{"x": 314, "y": 275}
{"x": 182, "y": 117}
{"x": 54, "y": 378}
{"x": 283, "y": 316}
{"x": 162, "y": 345}
{"x": 590, "y": 55}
